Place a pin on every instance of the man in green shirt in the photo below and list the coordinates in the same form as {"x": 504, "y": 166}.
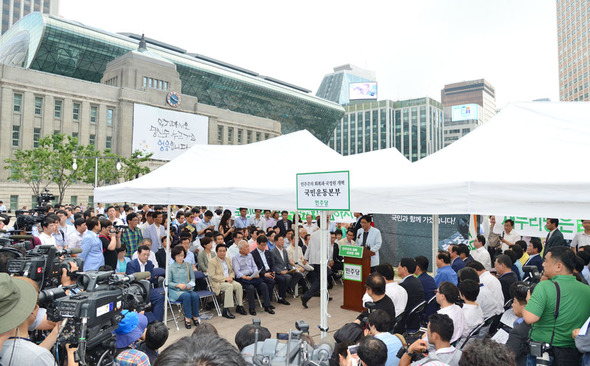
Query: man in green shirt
{"x": 574, "y": 307}
{"x": 132, "y": 237}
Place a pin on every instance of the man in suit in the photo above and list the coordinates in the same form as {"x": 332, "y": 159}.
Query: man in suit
{"x": 370, "y": 238}
{"x": 357, "y": 225}
{"x": 284, "y": 223}
{"x": 555, "y": 237}
{"x": 283, "y": 268}
{"x": 266, "y": 265}
{"x": 503, "y": 266}
{"x": 534, "y": 249}
{"x": 413, "y": 286}
{"x": 456, "y": 262}
{"x": 222, "y": 276}
{"x": 143, "y": 264}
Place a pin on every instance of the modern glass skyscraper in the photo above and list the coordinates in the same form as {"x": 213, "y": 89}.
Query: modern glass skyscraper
{"x": 412, "y": 126}
{"x": 335, "y": 86}
{"x": 573, "y": 26}
{"x": 13, "y": 10}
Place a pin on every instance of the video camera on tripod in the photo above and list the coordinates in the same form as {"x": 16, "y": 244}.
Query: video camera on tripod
{"x": 272, "y": 352}
{"x": 91, "y": 316}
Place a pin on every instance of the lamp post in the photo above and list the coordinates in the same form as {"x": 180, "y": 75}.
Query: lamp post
{"x": 75, "y": 166}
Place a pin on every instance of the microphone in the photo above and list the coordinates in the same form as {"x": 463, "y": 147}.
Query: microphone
{"x": 141, "y": 275}
{"x": 68, "y": 251}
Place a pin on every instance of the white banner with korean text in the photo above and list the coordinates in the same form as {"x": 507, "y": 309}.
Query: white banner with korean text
{"x": 167, "y": 133}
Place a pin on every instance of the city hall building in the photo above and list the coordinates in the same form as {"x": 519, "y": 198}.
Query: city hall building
{"x": 120, "y": 92}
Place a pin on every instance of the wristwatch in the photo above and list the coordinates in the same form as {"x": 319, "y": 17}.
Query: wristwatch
{"x": 411, "y": 354}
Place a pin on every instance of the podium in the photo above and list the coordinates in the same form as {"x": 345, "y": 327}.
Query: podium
{"x": 356, "y": 271}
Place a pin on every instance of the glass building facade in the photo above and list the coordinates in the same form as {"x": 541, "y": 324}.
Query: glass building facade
{"x": 414, "y": 127}
{"x": 67, "y": 48}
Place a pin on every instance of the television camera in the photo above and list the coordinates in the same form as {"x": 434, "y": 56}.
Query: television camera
{"x": 90, "y": 317}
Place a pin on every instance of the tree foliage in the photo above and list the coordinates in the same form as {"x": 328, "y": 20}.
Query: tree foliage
{"x": 52, "y": 162}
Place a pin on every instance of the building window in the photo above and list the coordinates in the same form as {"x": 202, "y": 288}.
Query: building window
{"x": 240, "y": 132}
{"x": 249, "y": 136}
{"x": 220, "y": 134}
{"x": 92, "y": 140}
{"x": 38, "y": 106}
{"x": 266, "y": 136}
{"x": 109, "y": 142}
{"x": 36, "y": 137}
{"x": 93, "y": 113}
{"x": 75, "y": 134}
{"x": 74, "y": 200}
{"x": 230, "y": 135}
{"x": 90, "y": 201}
{"x": 16, "y": 136}
{"x": 109, "y": 117}
{"x": 57, "y": 109}
{"x": 165, "y": 85}
{"x": 145, "y": 81}
{"x": 76, "y": 112}
{"x": 56, "y": 132}
{"x": 257, "y": 136}
{"x": 13, "y": 202}
{"x": 18, "y": 101}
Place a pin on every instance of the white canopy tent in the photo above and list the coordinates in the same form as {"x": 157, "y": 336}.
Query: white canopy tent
{"x": 528, "y": 160}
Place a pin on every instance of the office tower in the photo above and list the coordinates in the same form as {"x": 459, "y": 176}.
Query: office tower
{"x": 467, "y": 105}
{"x": 13, "y": 10}
{"x": 335, "y": 86}
{"x": 573, "y": 18}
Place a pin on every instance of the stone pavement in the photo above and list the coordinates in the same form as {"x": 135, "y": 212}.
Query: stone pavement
{"x": 282, "y": 321}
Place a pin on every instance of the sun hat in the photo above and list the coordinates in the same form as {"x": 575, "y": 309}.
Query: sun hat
{"x": 130, "y": 328}
{"x": 17, "y": 301}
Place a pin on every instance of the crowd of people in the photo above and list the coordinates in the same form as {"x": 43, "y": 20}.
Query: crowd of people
{"x": 509, "y": 298}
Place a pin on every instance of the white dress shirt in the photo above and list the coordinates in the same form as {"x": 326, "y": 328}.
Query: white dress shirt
{"x": 473, "y": 317}
{"x": 493, "y": 284}
{"x": 482, "y": 256}
{"x": 456, "y": 314}
{"x": 396, "y": 293}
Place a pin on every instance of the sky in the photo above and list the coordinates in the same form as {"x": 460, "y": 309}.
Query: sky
{"x": 415, "y": 47}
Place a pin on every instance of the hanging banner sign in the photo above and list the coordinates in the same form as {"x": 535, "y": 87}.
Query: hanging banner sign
{"x": 323, "y": 191}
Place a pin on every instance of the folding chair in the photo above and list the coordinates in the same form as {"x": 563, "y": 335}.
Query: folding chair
{"x": 207, "y": 293}
{"x": 417, "y": 310}
{"x": 180, "y": 315}
{"x": 474, "y": 332}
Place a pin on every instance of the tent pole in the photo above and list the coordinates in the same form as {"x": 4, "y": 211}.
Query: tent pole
{"x": 296, "y": 228}
{"x": 168, "y": 240}
{"x": 434, "y": 243}
{"x": 323, "y": 274}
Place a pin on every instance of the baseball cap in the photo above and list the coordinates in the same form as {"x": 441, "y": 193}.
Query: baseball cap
{"x": 17, "y": 301}
{"x": 130, "y": 328}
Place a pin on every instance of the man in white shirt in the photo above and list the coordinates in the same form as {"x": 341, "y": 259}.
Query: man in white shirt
{"x": 509, "y": 237}
{"x": 258, "y": 220}
{"x": 49, "y": 225}
{"x": 75, "y": 237}
{"x": 491, "y": 283}
{"x": 152, "y": 256}
{"x": 112, "y": 214}
{"x": 396, "y": 293}
{"x": 309, "y": 225}
{"x": 489, "y": 305}
{"x": 480, "y": 253}
{"x": 472, "y": 312}
{"x": 583, "y": 237}
{"x": 2, "y": 207}
{"x": 63, "y": 230}
{"x": 446, "y": 296}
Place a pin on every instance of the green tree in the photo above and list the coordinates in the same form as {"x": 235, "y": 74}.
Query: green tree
{"x": 30, "y": 167}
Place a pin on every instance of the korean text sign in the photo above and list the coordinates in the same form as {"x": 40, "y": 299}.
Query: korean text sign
{"x": 323, "y": 191}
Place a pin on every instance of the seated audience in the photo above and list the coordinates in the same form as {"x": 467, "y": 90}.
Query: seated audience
{"x": 378, "y": 327}
{"x": 372, "y": 351}
{"x": 143, "y": 264}
{"x": 375, "y": 286}
{"x": 396, "y": 293}
{"x": 181, "y": 284}
{"x": 221, "y": 274}
{"x": 518, "y": 336}
{"x": 155, "y": 336}
{"x": 445, "y": 271}
{"x": 469, "y": 290}
{"x": 486, "y": 353}
{"x": 485, "y": 298}
{"x": 413, "y": 286}
{"x": 428, "y": 283}
{"x": 446, "y": 296}
{"x": 503, "y": 265}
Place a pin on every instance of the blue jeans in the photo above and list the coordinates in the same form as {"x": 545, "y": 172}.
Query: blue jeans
{"x": 190, "y": 303}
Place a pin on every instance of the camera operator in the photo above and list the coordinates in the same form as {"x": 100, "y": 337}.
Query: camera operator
{"x": 554, "y": 323}
{"x": 376, "y": 289}
{"x": 18, "y": 310}
{"x": 440, "y": 330}
{"x": 111, "y": 240}
{"x": 378, "y": 326}
{"x": 92, "y": 246}
{"x": 520, "y": 331}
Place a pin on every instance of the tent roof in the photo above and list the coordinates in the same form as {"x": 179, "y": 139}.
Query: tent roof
{"x": 527, "y": 160}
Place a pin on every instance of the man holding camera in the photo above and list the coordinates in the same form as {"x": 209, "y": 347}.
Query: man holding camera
{"x": 557, "y": 307}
